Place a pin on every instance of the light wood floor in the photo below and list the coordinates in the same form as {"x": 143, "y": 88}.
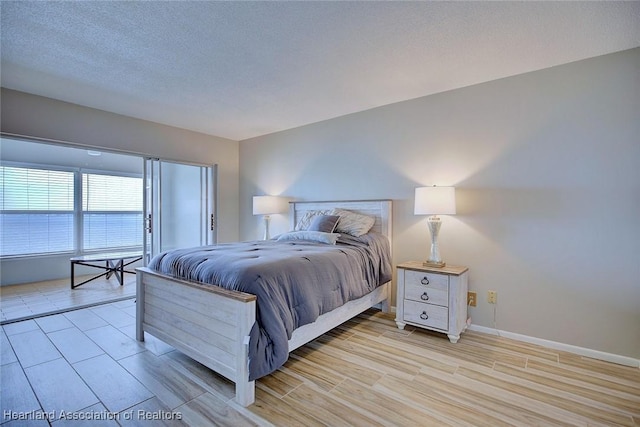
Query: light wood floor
{"x": 364, "y": 373}
{"x": 26, "y": 301}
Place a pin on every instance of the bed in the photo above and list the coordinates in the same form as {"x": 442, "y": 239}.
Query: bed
{"x": 220, "y": 326}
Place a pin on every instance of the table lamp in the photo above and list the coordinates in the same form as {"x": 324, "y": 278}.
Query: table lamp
{"x": 434, "y": 201}
{"x": 268, "y": 205}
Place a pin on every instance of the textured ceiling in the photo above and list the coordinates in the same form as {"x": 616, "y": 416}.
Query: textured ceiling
{"x": 243, "y": 69}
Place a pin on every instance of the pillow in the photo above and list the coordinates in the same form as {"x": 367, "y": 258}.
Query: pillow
{"x": 305, "y": 221}
{"x": 324, "y": 223}
{"x": 312, "y": 236}
{"x": 353, "y": 223}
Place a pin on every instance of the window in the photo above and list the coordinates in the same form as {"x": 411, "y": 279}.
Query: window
{"x": 111, "y": 211}
{"x": 37, "y": 213}
{"x": 41, "y": 214}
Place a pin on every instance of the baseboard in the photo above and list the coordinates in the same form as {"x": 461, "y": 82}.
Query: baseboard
{"x": 581, "y": 351}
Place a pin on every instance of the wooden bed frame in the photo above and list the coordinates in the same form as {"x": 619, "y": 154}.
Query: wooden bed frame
{"x": 211, "y": 324}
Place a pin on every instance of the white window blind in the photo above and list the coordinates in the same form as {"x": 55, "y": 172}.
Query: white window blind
{"x": 36, "y": 213}
{"x": 111, "y": 211}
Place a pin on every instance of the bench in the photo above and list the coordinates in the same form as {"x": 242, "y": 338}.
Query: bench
{"x": 113, "y": 263}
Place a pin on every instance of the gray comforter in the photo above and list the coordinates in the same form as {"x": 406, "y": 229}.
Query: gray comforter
{"x": 295, "y": 282}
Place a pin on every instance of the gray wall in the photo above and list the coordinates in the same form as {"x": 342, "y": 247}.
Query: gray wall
{"x": 39, "y": 117}
{"x": 548, "y": 191}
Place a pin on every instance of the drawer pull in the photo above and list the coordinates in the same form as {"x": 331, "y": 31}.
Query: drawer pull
{"x": 424, "y": 315}
{"x": 425, "y": 280}
{"x": 424, "y": 297}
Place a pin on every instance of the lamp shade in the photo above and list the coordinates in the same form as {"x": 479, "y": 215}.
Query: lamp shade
{"x": 267, "y": 205}
{"x": 435, "y": 201}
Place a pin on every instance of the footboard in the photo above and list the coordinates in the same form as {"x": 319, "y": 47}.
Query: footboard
{"x": 207, "y": 323}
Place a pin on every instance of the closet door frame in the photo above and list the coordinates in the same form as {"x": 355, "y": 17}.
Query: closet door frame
{"x": 165, "y": 211}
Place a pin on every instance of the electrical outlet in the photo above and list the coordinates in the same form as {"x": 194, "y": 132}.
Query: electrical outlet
{"x": 471, "y": 299}
{"x": 492, "y": 297}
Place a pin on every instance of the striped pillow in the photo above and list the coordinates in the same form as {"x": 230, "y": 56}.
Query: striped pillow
{"x": 305, "y": 221}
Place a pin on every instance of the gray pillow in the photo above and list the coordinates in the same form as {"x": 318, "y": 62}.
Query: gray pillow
{"x": 305, "y": 221}
{"x": 353, "y": 223}
{"x": 324, "y": 223}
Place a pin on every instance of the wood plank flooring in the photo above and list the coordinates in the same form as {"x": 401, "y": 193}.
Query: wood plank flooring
{"x": 26, "y": 301}
{"x": 365, "y": 372}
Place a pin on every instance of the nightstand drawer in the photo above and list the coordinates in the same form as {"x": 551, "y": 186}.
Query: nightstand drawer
{"x": 421, "y": 293}
{"x": 432, "y": 316}
{"x": 426, "y": 280}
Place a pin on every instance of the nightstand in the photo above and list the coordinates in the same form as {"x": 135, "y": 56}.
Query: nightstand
{"x": 432, "y": 298}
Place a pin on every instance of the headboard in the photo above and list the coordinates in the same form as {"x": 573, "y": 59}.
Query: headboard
{"x": 381, "y": 210}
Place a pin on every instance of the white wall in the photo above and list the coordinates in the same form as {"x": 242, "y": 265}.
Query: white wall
{"x": 38, "y": 117}
{"x": 546, "y": 166}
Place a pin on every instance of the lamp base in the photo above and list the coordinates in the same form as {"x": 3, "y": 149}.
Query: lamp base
{"x": 434, "y": 228}
{"x": 266, "y": 227}
{"x": 434, "y": 264}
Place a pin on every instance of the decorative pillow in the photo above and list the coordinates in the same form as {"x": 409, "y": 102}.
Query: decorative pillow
{"x": 353, "y": 223}
{"x": 305, "y": 221}
{"x": 324, "y": 223}
{"x": 312, "y": 236}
